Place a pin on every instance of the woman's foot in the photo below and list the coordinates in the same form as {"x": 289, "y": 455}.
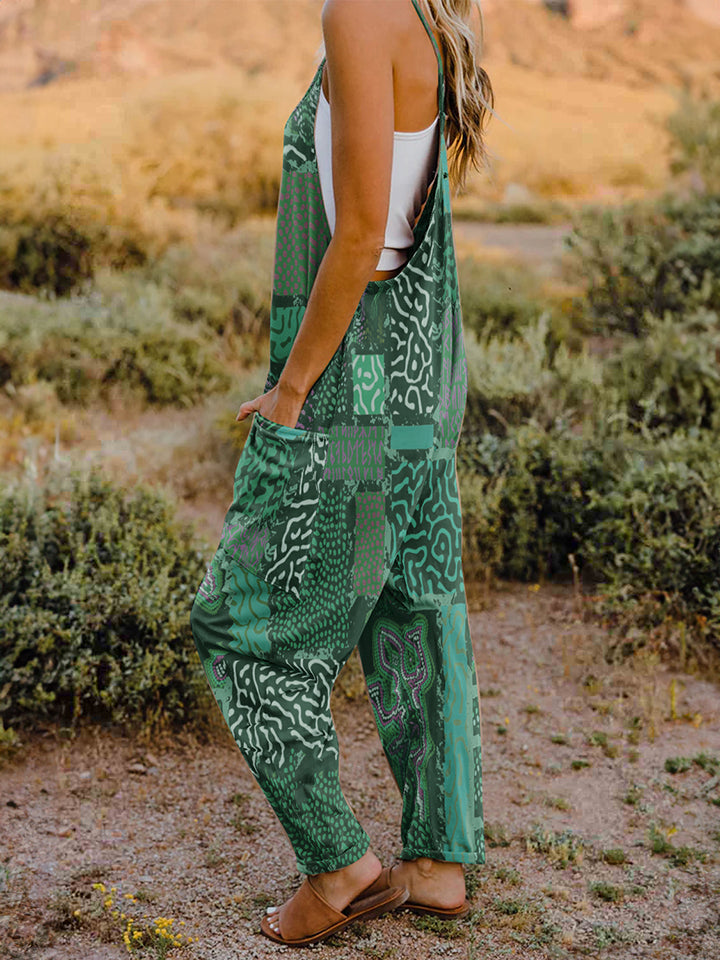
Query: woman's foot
{"x": 432, "y": 883}
{"x": 340, "y": 887}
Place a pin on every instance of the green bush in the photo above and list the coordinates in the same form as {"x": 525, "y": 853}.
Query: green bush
{"x": 639, "y": 260}
{"x": 226, "y": 285}
{"x": 122, "y": 337}
{"x": 96, "y": 586}
{"x": 655, "y": 539}
{"x": 671, "y": 378}
{"x": 499, "y": 299}
{"x": 512, "y": 380}
{"x": 527, "y": 497}
{"x": 639, "y": 512}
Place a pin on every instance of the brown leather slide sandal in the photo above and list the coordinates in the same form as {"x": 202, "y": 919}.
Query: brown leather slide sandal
{"x": 308, "y": 918}
{"x": 443, "y": 913}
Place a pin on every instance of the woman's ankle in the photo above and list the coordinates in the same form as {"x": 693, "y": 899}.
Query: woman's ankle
{"x": 438, "y": 883}
{"x": 346, "y": 882}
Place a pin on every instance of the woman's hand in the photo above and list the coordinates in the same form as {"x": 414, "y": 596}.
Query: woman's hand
{"x": 279, "y": 405}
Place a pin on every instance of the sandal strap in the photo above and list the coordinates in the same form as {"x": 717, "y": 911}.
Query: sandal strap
{"x": 379, "y": 885}
{"x": 307, "y": 913}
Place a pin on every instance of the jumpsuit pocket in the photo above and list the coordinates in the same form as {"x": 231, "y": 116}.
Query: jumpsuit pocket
{"x": 270, "y": 527}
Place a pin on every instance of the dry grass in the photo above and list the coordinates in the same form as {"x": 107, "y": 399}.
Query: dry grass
{"x": 588, "y": 138}
{"x": 163, "y": 157}
{"x": 158, "y": 159}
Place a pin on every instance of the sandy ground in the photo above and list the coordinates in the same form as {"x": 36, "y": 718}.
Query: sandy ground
{"x": 538, "y": 244}
{"x": 574, "y": 765}
{"x": 574, "y": 754}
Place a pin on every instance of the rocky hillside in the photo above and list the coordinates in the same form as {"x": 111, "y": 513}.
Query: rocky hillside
{"x": 638, "y": 43}
{"x": 43, "y": 41}
{"x": 632, "y": 42}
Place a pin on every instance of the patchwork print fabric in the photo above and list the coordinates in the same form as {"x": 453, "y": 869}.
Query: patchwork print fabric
{"x": 346, "y": 530}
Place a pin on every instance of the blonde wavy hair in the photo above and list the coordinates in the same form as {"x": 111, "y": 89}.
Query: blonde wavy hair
{"x": 469, "y": 96}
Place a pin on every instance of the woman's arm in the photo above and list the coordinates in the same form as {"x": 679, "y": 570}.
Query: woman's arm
{"x": 358, "y": 45}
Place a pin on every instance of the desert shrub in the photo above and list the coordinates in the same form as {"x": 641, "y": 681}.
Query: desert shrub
{"x": 505, "y": 377}
{"x": 694, "y": 129}
{"x": 670, "y": 378}
{"x": 655, "y": 543}
{"x": 54, "y": 252}
{"x": 499, "y": 299}
{"x": 116, "y": 339}
{"x": 96, "y": 586}
{"x": 225, "y": 285}
{"x": 511, "y": 380}
{"x": 639, "y": 260}
{"x": 640, "y": 513}
{"x": 527, "y": 497}
{"x": 51, "y": 255}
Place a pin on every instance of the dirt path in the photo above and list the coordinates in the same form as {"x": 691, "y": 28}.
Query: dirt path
{"x": 567, "y": 774}
{"x": 537, "y": 243}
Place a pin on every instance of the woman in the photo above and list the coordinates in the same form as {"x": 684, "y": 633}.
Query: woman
{"x": 345, "y": 527}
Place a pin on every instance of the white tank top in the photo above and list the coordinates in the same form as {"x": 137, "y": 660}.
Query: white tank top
{"x": 412, "y": 171}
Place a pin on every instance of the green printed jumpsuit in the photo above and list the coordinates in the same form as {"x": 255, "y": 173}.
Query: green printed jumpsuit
{"x": 346, "y": 530}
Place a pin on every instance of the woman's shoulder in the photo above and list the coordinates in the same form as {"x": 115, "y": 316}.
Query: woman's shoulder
{"x": 363, "y": 13}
